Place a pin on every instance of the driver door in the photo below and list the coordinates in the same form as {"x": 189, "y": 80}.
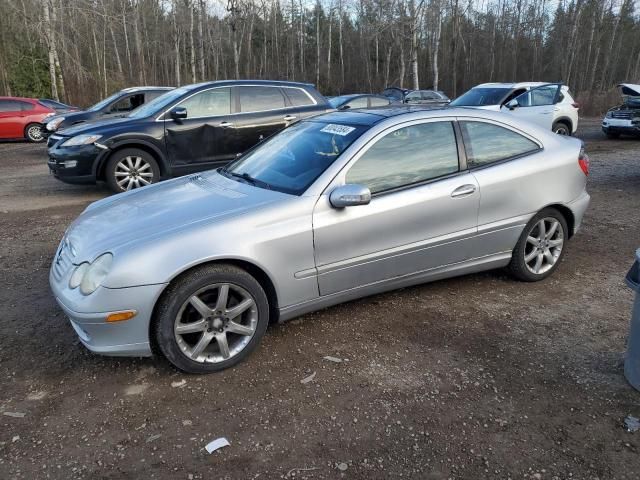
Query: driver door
{"x": 535, "y": 105}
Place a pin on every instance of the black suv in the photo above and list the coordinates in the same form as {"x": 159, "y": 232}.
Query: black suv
{"x": 117, "y": 105}
{"x": 189, "y": 129}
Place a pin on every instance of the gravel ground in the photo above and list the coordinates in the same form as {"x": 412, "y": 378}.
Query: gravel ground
{"x": 475, "y": 377}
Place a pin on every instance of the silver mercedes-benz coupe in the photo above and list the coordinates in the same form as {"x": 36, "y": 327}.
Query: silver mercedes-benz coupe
{"x": 338, "y": 207}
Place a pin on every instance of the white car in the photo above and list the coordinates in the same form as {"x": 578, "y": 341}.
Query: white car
{"x": 625, "y": 118}
{"x": 547, "y": 104}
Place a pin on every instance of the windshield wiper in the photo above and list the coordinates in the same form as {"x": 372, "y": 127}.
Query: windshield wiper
{"x": 249, "y": 179}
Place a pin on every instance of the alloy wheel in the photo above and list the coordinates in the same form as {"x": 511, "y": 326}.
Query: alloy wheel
{"x": 544, "y": 245}
{"x": 34, "y": 132}
{"x": 133, "y": 172}
{"x": 216, "y": 323}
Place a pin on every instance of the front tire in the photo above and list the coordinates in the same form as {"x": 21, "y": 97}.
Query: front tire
{"x": 562, "y": 128}
{"x": 33, "y": 133}
{"x": 131, "y": 168}
{"x": 540, "y": 247}
{"x": 211, "y": 319}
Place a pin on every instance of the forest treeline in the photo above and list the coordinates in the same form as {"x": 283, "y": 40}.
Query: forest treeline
{"x": 82, "y": 50}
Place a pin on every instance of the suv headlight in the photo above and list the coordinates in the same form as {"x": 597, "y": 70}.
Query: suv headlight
{"x": 89, "y": 276}
{"x": 53, "y": 125}
{"x": 81, "y": 140}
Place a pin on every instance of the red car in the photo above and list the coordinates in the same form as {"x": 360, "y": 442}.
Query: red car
{"x": 22, "y": 118}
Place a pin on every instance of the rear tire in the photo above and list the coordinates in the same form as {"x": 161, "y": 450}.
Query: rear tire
{"x": 210, "y": 319}
{"x": 540, "y": 247}
{"x": 561, "y": 128}
{"x": 33, "y": 133}
{"x": 131, "y": 168}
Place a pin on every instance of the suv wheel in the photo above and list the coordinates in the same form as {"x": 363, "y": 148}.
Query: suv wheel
{"x": 540, "y": 247}
{"x": 33, "y": 133}
{"x": 211, "y": 319}
{"x": 561, "y": 128}
{"x": 131, "y": 168}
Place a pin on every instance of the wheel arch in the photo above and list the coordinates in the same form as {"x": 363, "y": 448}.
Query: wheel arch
{"x": 144, "y": 146}
{"x": 254, "y": 270}
{"x": 567, "y": 121}
{"x": 568, "y": 216}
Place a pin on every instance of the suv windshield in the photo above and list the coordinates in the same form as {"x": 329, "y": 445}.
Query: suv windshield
{"x": 477, "y": 97}
{"x": 292, "y": 160}
{"x": 158, "y": 104}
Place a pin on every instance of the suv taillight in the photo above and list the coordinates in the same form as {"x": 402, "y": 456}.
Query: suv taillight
{"x": 583, "y": 161}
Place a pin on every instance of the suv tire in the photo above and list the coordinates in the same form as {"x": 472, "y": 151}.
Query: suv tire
{"x": 131, "y": 168}
{"x": 561, "y": 128}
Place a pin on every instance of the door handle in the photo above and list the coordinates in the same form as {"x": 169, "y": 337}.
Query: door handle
{"x": 289, "y": 118}
{"x": 463, "y": 191}
{"x": 226, "y": 124}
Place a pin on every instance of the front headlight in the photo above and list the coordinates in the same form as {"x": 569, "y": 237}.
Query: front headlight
{"x": 81, "y": 140}
{"x": 89, "y": 276}
{"x": 53, "y": 125}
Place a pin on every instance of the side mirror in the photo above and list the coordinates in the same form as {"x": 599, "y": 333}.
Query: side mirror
{"x": 344, "y": 107}
{"x": 178, "y": 113}
{"x": 350, "y": 195}
{"x": 511, "y": 104}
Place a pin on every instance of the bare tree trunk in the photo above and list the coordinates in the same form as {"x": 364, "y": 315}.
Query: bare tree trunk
{"x": 176, "y": 43}
{"x": 51, "y": 47}
{"x": 341, "y": 45}
{"x": 318, "y": 46}
{"x": 192, "y": 47}
{"x": 414, "y": 13}
{"x": 126, "y": 39}
{"x": 436, "y": 47}
{"x": 329, "y": 48}
{"x": 138, "y": 43}
{"x": 201, "y": 18}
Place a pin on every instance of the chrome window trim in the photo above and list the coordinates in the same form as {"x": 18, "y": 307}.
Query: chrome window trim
{"x": 160, "y": 119}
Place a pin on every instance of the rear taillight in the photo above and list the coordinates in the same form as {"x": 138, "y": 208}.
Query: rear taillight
{"x": 583, "y": 161}
{"x": 575, "y": 105}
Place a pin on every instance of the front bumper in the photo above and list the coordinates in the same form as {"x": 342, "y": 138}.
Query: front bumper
{"x": 74, "y": 164}
{"x": 621, "y": 126}
{"x": 88, "y": 314}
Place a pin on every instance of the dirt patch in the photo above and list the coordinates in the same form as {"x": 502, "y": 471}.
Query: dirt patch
{"x": 473, "y": 377}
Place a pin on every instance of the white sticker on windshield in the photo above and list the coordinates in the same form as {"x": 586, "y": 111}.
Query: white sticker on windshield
{"x": 342, "y": 130}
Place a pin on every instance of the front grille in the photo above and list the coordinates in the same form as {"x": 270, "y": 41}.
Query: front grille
{"x": 626, "y": 114}
{"x": 63, "y": 260}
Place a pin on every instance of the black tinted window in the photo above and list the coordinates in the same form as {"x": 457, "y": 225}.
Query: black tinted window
{"x": 10, "y": 106}
{"x": 298, "y": 97}
{"x": 481, "y": 96}
{"x": 406, "y": 156}
{"x": 486, "y": 143}
{"x": 258, "y": 99}
{"x": 128, "y": 103}
{"x": 209, "y": 103}
{"x": 26, "y": 106}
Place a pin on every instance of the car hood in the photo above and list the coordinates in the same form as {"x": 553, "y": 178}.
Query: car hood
{"x": 91, "y": 127}
{"x": 141, "y": 215}
{"x": 629, "y": 89}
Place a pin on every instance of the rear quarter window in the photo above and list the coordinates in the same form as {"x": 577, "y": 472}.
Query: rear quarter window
{"x": 298, "y": 97}
{"x": 486, "y": 143}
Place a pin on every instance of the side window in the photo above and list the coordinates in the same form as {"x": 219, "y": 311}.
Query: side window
{"x": 10, "y": 106}
{"x": 259, "y": 99}
{"x": 298, "y": 97}
{"x": 538, "y": 97}
{"x": 210, "y": 103}
{"x": 26, "y": 106}
{"x": 379, "y": 102}
{"x": 122, "y": 105}
{"x": 513, "y": 95}
{"x": 413, "y": 97}
{"x": 358, "y": 103}
{"x": 406, "y": 156}
{"x": 487, "y": 143}
{"x": 429, "y": 96}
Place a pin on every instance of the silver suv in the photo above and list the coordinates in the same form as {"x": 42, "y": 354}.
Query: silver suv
{"x": 334, "y": 208}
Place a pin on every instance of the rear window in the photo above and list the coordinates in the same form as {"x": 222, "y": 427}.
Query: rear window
{"x": 298, "y": 97}
{"x": 477, "y": 97}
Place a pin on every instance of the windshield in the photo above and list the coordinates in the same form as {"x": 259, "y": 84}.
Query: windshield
{"x": 394, "y": 93}
{"x": 158, "y": 104}
{"x": 293, "y": 159}
{"x": 103, "y": 103}
{"x": 477, "y": 97}
{"x": 335, "y": 102}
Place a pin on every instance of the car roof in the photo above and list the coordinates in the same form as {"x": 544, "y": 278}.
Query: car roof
{"x": 372, "y": 116}
{"x": 280, "y": 83}
{"x": 20, "y": 98}
{"x": 514, "y": 85}
{"x": 144, "y": 88}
